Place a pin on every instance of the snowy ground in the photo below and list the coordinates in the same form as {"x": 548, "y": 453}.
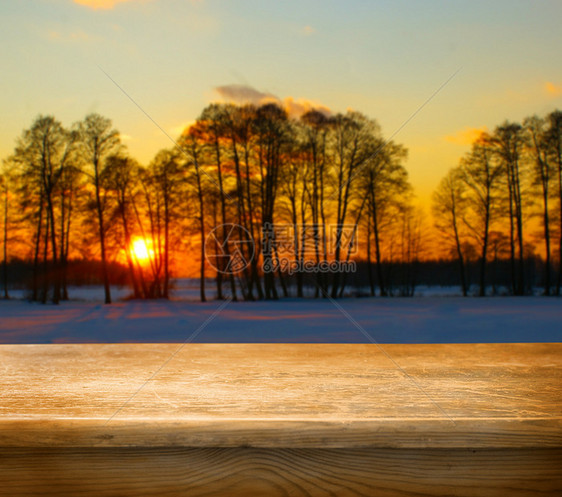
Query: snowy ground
{"x": 427, "y": 319}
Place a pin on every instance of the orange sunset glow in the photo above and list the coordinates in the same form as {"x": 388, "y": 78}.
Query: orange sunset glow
{"x": 141, "y": 250}
{"x": 171, "y": 119}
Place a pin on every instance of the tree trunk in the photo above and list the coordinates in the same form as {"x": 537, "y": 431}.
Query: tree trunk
{"x": 559, "y": 280}
{"x": 352, "y": 242}
{"x": 54, "y": 262}
{"x": 254, "y": 273}
{"x": 45, "y": 294}
{"x": 484, "y": 254}
{"x": 5, "y": 246}
{"x": 165, "y": 293}
{"x": 519, "y": 219}
{"x": 201, "y": 232}
{"x": 546, "y": 238}
{"x": 130, "y": 263}
{"x": 35, "y": 289}
{"x": 460, "y": 257}
{"x": 378, "y": 255}
{"x": 66, "y": 250}
{"x": 511, "y": 233}
{"x": 101, "y": 227}
{"x": 369, "y": 262}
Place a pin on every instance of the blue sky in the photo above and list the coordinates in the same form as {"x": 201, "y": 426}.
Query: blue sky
{"x": 384, "y": 58}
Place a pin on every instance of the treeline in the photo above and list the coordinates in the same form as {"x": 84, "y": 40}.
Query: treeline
{"x": 504, "y": 201}
{"x": 80, "y": 272}
{"x": 319, "y": 191}
{"x": 76, "y": 192}
{"x": 319, "y": 175}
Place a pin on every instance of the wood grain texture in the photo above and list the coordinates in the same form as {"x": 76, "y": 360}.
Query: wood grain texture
{"x": 249, "y": 472}
{"x": 269, "y": 395}
{"x": 280, "y": 420}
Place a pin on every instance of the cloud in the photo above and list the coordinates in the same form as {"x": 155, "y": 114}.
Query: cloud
{"x": 466, "y": 136}
{"x": 302, "y": 106}
{"x": 552, "y": 89}
{"x": 244, "y": 94}
{"x": 308, "y": 31}
{"x": 59, "y": 36}
{"x": 100, "y": 4}
{"x": 110, "y": 4}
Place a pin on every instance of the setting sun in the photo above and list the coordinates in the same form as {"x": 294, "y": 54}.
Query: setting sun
{"x": 141, "y": 249}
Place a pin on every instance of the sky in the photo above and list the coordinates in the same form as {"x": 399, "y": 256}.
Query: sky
{"x": 432, "y": 73}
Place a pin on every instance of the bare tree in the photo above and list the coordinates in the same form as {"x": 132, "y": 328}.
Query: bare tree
{"x": 245, "y": 128}
{"x": 354, "y": 143}
{"x": 192, "y": 146}
{"x": 152, "y": 235}
{"x": 294, "y": 202}
{"x": 553, "y": 136}
{"x": 43, "y": 153}
{"x": 4, "y": 190}
{"x": 69, "y": 192}
{"x": 167, "y": 172}
{"x": 411, "y": 247}
{"x": 98, "y": 141}
{"x": 543, "y": 172}
{"x": 480, "y": 172}
{"x": 385, "y": 186}
{"x": 214, "y": 119}
{"x": 449, "y": 208}
{"x": 315, "y": 128}
{"x": 272, "y": 133}
{"x": 509, "y": 143}
{"x": 120, "y": 178}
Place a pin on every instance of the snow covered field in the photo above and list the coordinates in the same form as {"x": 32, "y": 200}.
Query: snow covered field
{"x": 428, "y": 319}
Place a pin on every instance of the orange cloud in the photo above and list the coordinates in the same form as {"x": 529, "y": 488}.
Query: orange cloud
{"x": 100, "y": 4}
{"x": 243, "y": 94}
{"x": 74, "y": 36}
{"x": 466, "y": 136}
{"x": 552, "y": 89}
{"x": 302, "y": 106}
{"x": 308, "y": 31}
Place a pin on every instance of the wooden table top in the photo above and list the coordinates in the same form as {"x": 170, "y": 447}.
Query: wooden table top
{"x": 281, "y": 395}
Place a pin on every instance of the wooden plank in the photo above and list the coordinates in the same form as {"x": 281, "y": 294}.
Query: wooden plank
{"x": 279, "y": 420}
{"x": 279, "y": 472}
{"x": 268, "y": 395}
